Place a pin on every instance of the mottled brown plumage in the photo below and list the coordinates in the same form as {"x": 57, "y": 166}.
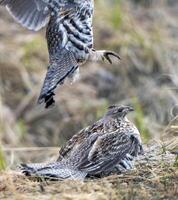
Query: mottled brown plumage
{"x": 109, "y": 144}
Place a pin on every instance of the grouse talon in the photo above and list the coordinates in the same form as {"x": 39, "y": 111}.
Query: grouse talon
{"x": 108, "y": 54}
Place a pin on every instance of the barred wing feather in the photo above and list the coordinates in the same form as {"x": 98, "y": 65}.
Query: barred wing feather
{"x": 108, "y": 150}
{"x": 29, "y": 13}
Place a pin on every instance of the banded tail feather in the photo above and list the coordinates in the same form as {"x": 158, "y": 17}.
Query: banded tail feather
{"x": 54, "y": 170}
{"x": 61, "y": 67}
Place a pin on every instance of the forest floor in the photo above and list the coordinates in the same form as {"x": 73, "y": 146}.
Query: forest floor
{"x": 155, "y": 177}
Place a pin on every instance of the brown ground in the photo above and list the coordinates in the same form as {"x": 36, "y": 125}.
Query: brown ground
{"x": 155, "y": 177}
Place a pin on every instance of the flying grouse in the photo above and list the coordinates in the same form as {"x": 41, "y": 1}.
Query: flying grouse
{"x": 69, "y": 36}
{"x": 110, "y": 144}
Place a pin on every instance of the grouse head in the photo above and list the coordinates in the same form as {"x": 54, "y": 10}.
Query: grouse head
{"x": 119, "y": 111}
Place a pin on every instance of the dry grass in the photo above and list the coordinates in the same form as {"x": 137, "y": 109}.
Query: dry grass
{"x": 155, "y": 177}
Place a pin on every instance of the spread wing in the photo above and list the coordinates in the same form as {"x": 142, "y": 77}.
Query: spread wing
{"x": 74, "y": 142}
{"x": 32, "y": 14}
{"x": 70, "y": 145}
{"x": 108, "y": 150}
{"x": 79, "y": 138}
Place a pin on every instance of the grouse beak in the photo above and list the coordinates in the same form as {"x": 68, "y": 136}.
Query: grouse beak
{"x": 130, "y": 109}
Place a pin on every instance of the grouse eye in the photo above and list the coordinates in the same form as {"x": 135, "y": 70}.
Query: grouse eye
{"x": 120, "y": 110}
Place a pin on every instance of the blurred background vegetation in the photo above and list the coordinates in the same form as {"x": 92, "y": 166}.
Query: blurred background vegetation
{"x": 143, "y": 32}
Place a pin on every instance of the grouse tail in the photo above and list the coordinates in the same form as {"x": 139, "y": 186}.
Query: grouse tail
{"x": 54, "y": 170}
{"x": 61, "y": 66}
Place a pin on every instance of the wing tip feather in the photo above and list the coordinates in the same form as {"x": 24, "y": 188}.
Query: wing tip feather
{"x": 27, "y": 14}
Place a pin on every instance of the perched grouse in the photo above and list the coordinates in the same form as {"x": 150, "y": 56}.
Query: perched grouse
{"x": 110, "y": 144}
